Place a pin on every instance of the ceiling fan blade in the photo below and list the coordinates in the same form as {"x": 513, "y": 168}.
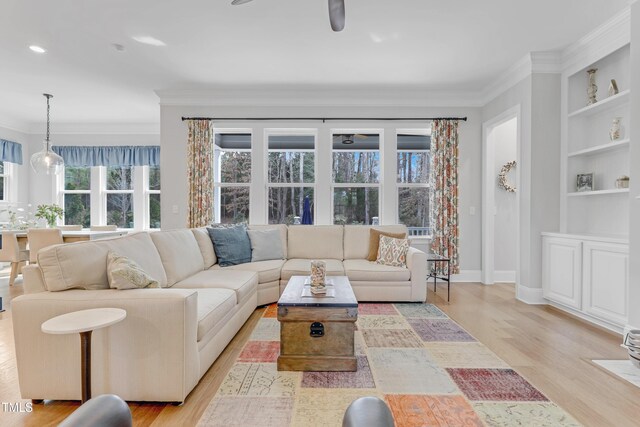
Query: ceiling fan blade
{"x": 361, "y": 136}
{"x": 237, "y": 2}
{"x": 336, "y": 14}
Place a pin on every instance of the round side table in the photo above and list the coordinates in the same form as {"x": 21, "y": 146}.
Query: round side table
{"x": 84, "y": 322}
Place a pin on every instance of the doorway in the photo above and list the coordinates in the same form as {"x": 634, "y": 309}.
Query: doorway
{"x": 500, "y": 205}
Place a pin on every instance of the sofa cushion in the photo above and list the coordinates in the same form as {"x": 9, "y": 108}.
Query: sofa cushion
{"x": 374, "y": 241}
{"x": 356, "y": 239}
{"x": 315, "y": 242}
{"x": 213, "y": 305}
{"x": 265, "y": 245}
{"x": 268, "y": 271}
{"x": 283, "y": 229}
{"x": 84, "y": 264}
{"x": 180, "y": 253}
{"x": 362, "y": 270}
{"x": 232, "y": 244}
{"x": 392, "y": 251}
{"x": 244, "y": 283}
{"x": 125, "y": 273}
{"x": 206, "y": 246}
{"x": 302, "y": 267}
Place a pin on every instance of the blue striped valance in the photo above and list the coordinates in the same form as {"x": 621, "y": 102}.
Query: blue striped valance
{"x": 10, "y": 151}
{"x": 122, "y": 155}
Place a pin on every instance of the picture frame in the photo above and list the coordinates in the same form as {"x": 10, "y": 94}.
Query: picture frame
{"x": 584, "y": 182}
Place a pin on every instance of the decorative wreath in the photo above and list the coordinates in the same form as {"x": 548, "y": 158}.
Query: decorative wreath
{"x": 502, "y": 177}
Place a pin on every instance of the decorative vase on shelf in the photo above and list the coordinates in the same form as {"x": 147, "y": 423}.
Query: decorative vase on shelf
{"x": 613, "y": 87}
{"x": 615, "y": 133}
{"x": 622, "y": 182}
{"x": 592, "y": 90}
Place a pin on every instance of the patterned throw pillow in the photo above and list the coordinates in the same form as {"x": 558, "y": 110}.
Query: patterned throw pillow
{"x": 392, "y": 251}
{"x": 124, "y": 273}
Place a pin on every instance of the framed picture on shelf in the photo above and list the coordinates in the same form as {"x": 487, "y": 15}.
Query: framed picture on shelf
{"x": 584, "y": 182}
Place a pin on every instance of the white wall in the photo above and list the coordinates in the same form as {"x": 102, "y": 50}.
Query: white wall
{"x": 174, "y": 158}
{"x": 41, "y": 187}
{"x": 506, "y": 209}
{"x": 538, "y": 96}
{"x": 634, "y": 173}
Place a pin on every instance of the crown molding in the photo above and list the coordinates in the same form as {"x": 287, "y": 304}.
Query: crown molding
{"x": 14, "y": 125}
{"x": 96, "y": 128}
{"x": 318, "y": 97}
{"x": 608, "y": 37}
{"x": 531, "y": 63}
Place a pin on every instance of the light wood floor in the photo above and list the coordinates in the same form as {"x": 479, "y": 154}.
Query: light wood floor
{"x": 549, "y": 348}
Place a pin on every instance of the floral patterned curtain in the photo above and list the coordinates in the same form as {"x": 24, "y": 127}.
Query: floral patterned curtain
{"x": 443, "y": 199}
{"x": 200, "y": 170}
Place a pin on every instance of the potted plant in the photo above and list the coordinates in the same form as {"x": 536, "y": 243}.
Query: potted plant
{"x": 50, "y": 213}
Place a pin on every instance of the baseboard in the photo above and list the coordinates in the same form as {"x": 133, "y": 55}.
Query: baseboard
{"x": 504, "y": 276}
{"x": 531, "y": 296}
{"x": 588, "y": 318}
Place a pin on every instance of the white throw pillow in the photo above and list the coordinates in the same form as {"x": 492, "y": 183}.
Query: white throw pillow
{"x": 124, "y": 273}
{"x": 393, "y": 252}
{"x": 265, "y": 245}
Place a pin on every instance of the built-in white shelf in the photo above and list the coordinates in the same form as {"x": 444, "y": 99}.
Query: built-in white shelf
{"x": 601, "y": 148}
{"x": 598, "y": 192}
{"x": 610, "y": 102}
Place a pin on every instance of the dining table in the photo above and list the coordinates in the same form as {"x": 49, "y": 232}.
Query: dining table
{"x": 70, "y": 236}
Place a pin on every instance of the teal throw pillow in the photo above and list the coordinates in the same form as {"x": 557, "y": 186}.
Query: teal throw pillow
{"x": 231, "y": 244}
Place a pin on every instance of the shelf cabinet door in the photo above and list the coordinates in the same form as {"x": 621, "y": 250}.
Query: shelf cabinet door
{"x": 562, "y": 271}
{"x": 606, "y": 281}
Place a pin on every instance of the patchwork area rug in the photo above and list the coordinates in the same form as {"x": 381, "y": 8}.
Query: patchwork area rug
{"x": 429, "y": 370}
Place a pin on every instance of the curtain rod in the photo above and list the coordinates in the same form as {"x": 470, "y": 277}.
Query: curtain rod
{"x": 324, "y": 119}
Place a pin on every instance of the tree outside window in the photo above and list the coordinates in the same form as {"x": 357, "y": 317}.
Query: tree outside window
{"x": 356, "y": 180}
{"x": 413, "y": 164}
{"x": 291, "y": 177}
{"x": 77, "y": 196}
{"x": 233, "y": 178}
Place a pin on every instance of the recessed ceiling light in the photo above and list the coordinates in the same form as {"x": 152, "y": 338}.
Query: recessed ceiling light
{"x": 37, "y": 49}
{"x": 149, "y": 40}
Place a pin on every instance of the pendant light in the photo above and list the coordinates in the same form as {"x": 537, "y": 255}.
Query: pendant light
{"x": 46, "y": 161}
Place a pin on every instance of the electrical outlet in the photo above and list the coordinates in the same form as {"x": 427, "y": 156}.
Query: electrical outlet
{"x": 174, "y": 209}
{"x": 472, "y": 210}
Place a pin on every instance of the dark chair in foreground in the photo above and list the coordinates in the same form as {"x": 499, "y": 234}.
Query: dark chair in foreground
{"x": 368, "y": 412}
{"x": 106, "y": 410}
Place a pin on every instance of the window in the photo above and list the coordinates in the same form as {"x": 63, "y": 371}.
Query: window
{"x": 291, "y": 177}
{"x": 3, "y": 186}
{"x": 119, "y": 195}
{"x": 356, "y": 178}
{"x": 77, "y": 196}
{"x": 233, "y": 177}
{"x": 127, "y": 196}
{"x": 153, "y": 197}
{"x": 413, "y": 183}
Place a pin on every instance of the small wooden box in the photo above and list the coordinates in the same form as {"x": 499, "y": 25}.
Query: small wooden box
{"x": 317, "y": 333}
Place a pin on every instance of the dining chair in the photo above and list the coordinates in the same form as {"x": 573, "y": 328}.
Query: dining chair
{"x": 74, "y": 227}
{"x": 11, "y": 252}
{"x": 104, "y": 228}
{"x": 41, "y": 238}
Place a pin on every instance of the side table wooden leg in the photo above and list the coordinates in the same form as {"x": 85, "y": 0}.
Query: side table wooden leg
{"x": 85, "y": 364}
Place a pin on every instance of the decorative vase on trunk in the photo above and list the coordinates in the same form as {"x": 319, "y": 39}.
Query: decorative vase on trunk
{"x": 318, "y": 273}
{"x": 615, "y": 133}
{"x": 592, "y": 90}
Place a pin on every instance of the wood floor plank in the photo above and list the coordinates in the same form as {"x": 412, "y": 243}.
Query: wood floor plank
{"x": 551, "y": 349}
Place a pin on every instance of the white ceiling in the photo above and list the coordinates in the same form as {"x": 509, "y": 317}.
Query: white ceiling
{"x": 428, "y": 44}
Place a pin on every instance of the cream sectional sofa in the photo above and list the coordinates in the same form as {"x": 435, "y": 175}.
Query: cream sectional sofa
{"x": 171, "y": 336}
